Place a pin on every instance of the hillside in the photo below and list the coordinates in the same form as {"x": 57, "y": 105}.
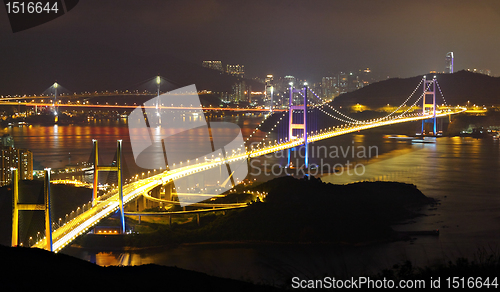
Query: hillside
{"x": 457, "y": 88}
{"x": 297, "y": 211}
{"x": 23, "y": 268}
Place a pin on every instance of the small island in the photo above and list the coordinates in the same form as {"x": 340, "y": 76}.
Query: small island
{"x": 295, "y": 211}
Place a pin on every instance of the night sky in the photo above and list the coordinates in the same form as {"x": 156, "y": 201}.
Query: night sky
{"x": 112, "y": 44}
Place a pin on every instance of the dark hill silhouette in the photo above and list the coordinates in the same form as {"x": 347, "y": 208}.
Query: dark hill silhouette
{"x": 23, "y": 267}
{"x": 457, "y": 88}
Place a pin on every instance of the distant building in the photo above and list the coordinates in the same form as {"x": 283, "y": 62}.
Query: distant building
{"x": 448, "y": 68}
{"x": 236, "y": 70}
{"x": 329, "y": 88}
{"x": 215, "y": 65}
{"x": 240, "y": 92}
{"x": 269, "y": 82}
{"x": 7, "y": 141}
{"x": 25, "y": 164}
{"x": 289, "y": 79}
{"x": 6, "y": 163}
{"x": 343, "y": 81}
{"x": 22, "y": 159}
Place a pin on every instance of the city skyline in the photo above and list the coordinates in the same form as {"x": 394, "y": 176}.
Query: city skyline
{"x": 118, "y": 47}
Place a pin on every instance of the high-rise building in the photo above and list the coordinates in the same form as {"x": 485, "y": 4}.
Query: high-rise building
{"x": 289, "y": 79}
{"x": 215, "y": 65}
{"x": 6, "y": 163}
{"x": 343, "y": 81}
{"x": 22, "y": 159}
{"x": 240, "y": 92}
{"x": 236, "y": 70}
{"x": 269, "y": 82}
{"x": 25, "y": 164}
{"x": 329, "y": 87}
{"x": 448, "y": 68}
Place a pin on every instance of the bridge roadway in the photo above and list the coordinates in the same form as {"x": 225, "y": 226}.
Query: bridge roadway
{"x": 131, "y": 107}
{"x": 86, "y": 220}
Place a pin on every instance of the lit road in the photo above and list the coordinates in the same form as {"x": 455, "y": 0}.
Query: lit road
{"x": 118, "y": 106}
{"x": 86, "y": 220}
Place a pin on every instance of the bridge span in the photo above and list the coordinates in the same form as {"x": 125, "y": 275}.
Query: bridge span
{"x": 81, "y": 224}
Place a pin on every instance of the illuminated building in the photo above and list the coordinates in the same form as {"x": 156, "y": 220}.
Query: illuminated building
{"x": 269, "y": 81}
{"x": 22, "y": 159}
{"x": 343, "y": 81}
{"x": 481, "y": 71}
{"x": 25, "y": 164}
{"x": 239, "y": 92}
{"x": 236, "y": 70}
{"x": 215, "y": 65}
{"x": 289, "y": 79}
{"x": 449, "y": 63}
{"x": 329, "y": 87}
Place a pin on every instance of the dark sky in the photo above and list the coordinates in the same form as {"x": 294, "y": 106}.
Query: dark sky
{"x": 121, "y": 41}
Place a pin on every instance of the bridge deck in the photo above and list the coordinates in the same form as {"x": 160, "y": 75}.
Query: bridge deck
{"x": 82, "y": 223}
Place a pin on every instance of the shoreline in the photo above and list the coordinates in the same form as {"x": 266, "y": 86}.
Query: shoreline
{"x": 398, "y": 236}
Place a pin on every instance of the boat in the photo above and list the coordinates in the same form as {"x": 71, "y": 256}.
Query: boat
{"x": 399, "y": 137}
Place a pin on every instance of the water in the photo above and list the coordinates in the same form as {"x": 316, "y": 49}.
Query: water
{"x": 460, "y": 172}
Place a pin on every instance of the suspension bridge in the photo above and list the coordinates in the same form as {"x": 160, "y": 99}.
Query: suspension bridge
{"x": 304, "y": 107}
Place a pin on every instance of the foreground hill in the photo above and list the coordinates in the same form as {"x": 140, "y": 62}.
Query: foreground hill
{"x": 457, "y": 88}
{"x": 24, "y": 268}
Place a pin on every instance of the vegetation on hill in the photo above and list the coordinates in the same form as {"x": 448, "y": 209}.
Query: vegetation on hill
{"x": 297, "y": 211}
{"x": 457, "y": 88}
{"x": 25, "y": 267}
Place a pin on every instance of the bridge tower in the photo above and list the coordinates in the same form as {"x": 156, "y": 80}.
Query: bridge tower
{"x": 55, "y": 102}
{"x": 158, "y": 105}
{"x": 429, "y": 90}
{"x": 301, "y": 126}
{"x": 16, "y": 206}
{"x": 118, "y": 168}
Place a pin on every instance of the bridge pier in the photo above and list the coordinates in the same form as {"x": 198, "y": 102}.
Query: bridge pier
{"x": 155, "y": 193}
